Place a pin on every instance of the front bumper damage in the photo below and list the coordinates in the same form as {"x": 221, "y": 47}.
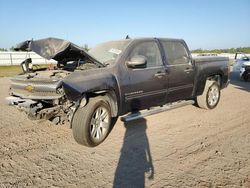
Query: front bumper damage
{"x": 34, "y": 109}
{"x": 57, "y": 113}
{"x": 22, "y": 104}
{"x": 41, "y": 92}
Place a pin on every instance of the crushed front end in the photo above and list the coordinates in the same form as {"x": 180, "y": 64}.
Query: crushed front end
{"x": 40, "y": 95}
{"x": 39, "y": 92}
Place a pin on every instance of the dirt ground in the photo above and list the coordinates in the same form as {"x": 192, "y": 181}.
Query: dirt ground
{"x": 185, "y": 147}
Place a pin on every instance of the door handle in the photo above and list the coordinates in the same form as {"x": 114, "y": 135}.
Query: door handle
{"x": 160, "y": 74}
{"x": 188, "y": 70}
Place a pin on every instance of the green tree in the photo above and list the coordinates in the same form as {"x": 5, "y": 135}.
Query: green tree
{"x": 3, "y": 49}
{"x": 86, "y": 47}
{"x": 12, "y": 48}
{"x": 245, "y": 50}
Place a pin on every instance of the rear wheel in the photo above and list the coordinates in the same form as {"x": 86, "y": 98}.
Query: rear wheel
{"x": 91, "y": 124}
{"x": 210, "y": 97}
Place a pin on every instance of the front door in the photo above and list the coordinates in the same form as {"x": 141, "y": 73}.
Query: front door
{"x": 147, "y": 86}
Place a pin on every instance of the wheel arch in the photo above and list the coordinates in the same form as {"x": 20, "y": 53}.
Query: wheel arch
{"x": 109, "y": 96}
{"x": 200, "y": 86}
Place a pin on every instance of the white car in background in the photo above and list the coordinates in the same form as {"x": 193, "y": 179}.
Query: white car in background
{"x": 245, "y": 71}
{"x": 242, "y": 66}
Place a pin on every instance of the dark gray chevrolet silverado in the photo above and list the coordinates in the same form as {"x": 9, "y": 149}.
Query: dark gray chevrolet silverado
{"x": 132, "y": 77}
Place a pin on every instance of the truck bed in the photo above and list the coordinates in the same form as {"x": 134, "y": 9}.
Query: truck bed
{"x": 209, "y": 58}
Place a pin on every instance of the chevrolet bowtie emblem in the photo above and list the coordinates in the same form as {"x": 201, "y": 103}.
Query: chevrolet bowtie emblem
{"x": 29, "y": 88}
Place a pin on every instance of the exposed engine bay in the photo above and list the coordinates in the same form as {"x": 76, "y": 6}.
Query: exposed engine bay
{"x": 39, "y": 91}
{"x": 40, "y": 94}
{"x": 32, "y": 92}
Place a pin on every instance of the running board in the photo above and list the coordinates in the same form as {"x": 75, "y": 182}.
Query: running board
{"x": 155, "y": 110}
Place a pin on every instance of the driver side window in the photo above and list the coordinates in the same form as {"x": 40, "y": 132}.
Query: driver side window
{"x": 150, "y": 51}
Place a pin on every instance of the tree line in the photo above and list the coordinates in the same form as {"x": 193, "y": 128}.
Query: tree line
{"x": 245, "y": 50}
{"x": 7, "y": 49}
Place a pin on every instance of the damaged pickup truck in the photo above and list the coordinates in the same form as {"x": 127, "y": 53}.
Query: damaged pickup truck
{"x": 137, "y": 77}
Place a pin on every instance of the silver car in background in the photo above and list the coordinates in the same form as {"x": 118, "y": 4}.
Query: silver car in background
{"x": 241, "y": 65}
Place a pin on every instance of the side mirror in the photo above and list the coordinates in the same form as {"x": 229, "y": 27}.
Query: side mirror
{"x": 138, "y": 61}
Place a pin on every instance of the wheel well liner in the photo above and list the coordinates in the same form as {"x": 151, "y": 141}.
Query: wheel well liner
{"x": 200, "y": 89}
{"x": 109, "y": 96}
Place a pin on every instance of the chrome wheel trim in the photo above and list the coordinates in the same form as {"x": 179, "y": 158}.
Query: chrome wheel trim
{"x": 99, "y": 123}
{"x": 213, "y": 95}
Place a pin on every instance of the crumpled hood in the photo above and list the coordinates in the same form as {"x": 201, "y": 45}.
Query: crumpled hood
{"x": 57, "y": 49}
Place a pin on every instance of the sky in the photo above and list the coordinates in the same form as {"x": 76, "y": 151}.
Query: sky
{"x": 206, "y": 24}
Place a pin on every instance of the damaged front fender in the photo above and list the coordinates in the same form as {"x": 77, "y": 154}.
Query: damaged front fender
{"x": 81, "y": 82}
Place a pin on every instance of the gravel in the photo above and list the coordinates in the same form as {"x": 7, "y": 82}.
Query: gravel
{"x": 185, "y": 147}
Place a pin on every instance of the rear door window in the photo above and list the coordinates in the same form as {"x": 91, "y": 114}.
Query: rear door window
{"x": 176, "y": 52}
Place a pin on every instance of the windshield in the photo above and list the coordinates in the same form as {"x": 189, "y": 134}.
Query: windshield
{"x": 108, "y": 52}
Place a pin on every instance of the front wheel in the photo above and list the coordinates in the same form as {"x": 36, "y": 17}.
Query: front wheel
{"x": 210, "y": 97}
{"x": 91, "y": 124}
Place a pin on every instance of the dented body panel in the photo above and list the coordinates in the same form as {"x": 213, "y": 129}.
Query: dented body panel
{"x": 94, "y": 80}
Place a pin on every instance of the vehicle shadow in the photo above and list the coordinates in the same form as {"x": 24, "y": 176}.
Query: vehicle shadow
{"x": 135, "y": 162}
{"x": 237, "y": 83}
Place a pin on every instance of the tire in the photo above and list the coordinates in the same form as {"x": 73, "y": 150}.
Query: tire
{"x": 210, "y": 97}
{"x": 245, "y": 76}
{"x": 91, "y": 124}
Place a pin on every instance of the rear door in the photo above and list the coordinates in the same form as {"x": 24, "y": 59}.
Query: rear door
{"x": 180, "y": 70}
{"x": 147, "y": 86}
